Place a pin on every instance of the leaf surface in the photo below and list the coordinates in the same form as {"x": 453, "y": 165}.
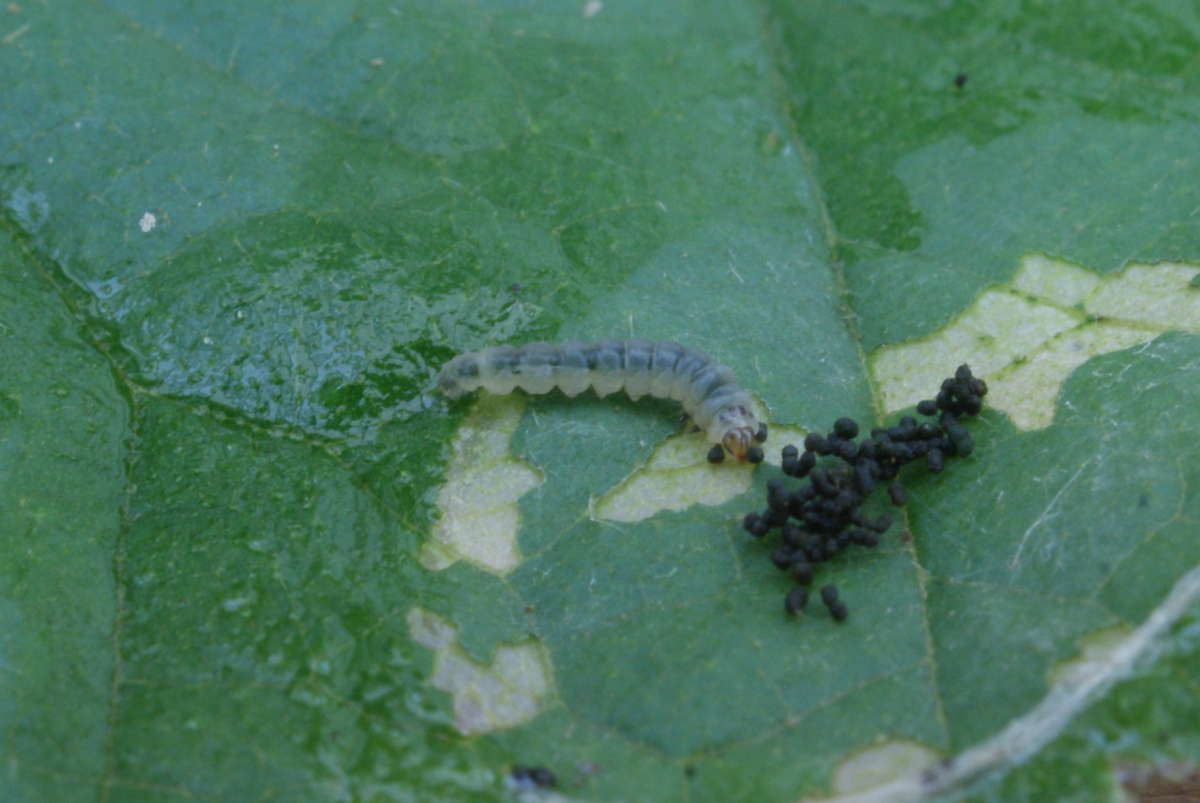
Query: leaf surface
{"x": 247, "y": 552}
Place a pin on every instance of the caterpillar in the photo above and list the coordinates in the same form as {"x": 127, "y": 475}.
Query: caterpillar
{"x": 663, "y": 369}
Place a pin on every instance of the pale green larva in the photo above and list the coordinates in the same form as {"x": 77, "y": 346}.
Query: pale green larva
{"x": 663, "y": 369}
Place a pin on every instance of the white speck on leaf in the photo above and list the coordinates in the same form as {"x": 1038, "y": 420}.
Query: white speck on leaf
{"x": 236, "y": 603}
{"x": 15, "y": 34}
{"x": 147, "y": 222}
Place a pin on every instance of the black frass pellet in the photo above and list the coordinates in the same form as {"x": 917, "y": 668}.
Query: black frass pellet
{"x": 777, "y": 497}
{"x": 829, "y": 594}
{"x": 756, "y": 525}
{"x": 795, "y": 600}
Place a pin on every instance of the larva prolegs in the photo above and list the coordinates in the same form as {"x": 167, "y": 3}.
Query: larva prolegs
{"x": 639, "y": 355}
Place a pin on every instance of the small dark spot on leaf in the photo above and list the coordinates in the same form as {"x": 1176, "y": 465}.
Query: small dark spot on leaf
{"x": 533, "y": 777}
{"x": 1144, "y": 500}
{"x": 960, "y": 80}
{"x": 689, "y": 771}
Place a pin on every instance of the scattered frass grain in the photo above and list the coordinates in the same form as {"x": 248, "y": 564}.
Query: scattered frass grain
{"x": 837, "y": 608}
{"x": 864, "y": 475}
{"x": 755, "y": 525}
{"x": 777, "y": 496}
{"x": 960, "y": 440}
{"x": 829, "y": 594}
{"x": 845, "y": 428}
{"x": 863, "y": 538}
{"x": 960, "y": 80}
{"x": 802, "y": 570}
{"x": 795, "y": 600}
{"x": 896, "y": 492}
{"x": 754, "y": 454}
{"x": 928, "y": 431}
{"x": 879, "y": 525}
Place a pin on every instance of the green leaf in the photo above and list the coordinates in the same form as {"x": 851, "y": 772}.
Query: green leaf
{"x": 247, "y": 552}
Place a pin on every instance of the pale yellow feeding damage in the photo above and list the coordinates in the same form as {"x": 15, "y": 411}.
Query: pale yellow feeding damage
{"x": 1096, "y": 651}
{"x": 1025, "y": 338}
{"x": 478, "y": 503}
{"x": 678, "y": 476}
{"x": 508, "y": 692}
{"x": 880, "y": 764}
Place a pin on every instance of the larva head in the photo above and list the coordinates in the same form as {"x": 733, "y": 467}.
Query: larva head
{"x": 735, "y": 427}
{"x": 737, "y": 441}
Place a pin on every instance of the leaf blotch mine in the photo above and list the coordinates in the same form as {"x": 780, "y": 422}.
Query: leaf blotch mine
{"x": 1025, "y": 338}
{"x": 507, "y": 692}
{"x": 478, "y": 502}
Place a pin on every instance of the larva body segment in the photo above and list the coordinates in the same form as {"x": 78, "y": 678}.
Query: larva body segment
{"x": 663, "y": 369}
